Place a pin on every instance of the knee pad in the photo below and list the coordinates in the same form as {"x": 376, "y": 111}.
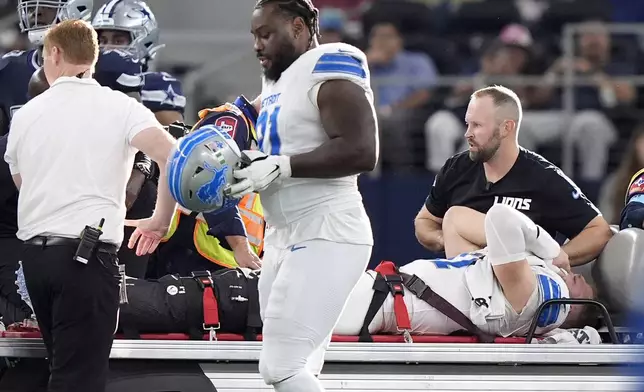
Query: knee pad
{"x": 504, "y": 217}
{"x": 271, "y": 370}
{"x": 504, "y": 235}
{"x": 500, "y": 214}
{"x": 274, "y": 372}
{"x": 280, "y": 361}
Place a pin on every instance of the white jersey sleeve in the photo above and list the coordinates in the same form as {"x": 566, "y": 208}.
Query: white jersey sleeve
{"x": 338, "y": 62}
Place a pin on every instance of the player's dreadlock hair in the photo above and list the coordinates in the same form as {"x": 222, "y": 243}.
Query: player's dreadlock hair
{"x": 298, "y": 8}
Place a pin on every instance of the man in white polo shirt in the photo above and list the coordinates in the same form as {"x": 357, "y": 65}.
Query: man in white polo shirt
{"x": 70, "y": 151}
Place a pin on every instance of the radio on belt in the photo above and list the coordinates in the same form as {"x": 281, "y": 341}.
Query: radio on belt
{"x": 88, "y": 241}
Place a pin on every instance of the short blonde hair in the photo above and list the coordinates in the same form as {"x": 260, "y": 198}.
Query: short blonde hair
{"x": 502, "y": 97}
{"x": 76, "y": 39}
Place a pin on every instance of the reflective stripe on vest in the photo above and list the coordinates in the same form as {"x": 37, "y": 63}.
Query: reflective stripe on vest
{"x": 251, "y": 212}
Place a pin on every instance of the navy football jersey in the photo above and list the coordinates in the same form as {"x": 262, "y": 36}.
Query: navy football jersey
{"x": 161, "y": 91}
{"x": 119, "y": 71}
{"x": 16, "y": 69}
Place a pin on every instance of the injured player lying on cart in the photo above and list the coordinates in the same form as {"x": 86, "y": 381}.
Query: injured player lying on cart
{"x": 489, "y": 293}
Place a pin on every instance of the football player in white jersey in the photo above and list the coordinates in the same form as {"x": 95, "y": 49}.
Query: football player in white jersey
{"x": 518, "y": 259}
{"x": 317, "y": 132}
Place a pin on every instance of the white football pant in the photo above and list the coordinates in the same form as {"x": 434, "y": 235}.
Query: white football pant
{"x": 302, "y": 292}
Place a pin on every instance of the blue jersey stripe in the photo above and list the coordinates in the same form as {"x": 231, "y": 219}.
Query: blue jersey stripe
{"x": 456, "y": 262}
{"x": 340, "y": 63}
{"x": 549, "y": 290}
{"x": 339, "y": 58}
{"x": 176, "y": 170}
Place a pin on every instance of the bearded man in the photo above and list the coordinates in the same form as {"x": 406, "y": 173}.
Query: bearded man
{"x": 495, "y": 169}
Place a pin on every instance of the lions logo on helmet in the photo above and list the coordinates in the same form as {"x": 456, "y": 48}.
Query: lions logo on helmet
{"x": 201, "y": 168}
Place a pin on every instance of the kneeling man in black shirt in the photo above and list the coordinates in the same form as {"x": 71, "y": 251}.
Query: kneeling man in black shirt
{"x": 496, "y": 169}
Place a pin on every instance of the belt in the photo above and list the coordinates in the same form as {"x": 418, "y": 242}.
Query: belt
{"x": 63, "y": 241}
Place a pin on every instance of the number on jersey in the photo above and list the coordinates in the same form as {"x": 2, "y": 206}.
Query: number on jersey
{"x": 269, "y": 139}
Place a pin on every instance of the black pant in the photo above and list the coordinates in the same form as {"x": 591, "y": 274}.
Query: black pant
{"x": 143, "y": 207}
{"x": 12, "y": 308}
{"x": 135, "y": 266}
{"x": 76, "y": 307}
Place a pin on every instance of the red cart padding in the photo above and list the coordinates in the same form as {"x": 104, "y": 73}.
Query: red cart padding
{"x": 227, "y": 337}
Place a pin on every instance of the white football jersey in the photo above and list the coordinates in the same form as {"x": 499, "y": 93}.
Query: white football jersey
{"x": 447, "y": 278}
{"x": 289, "y": 124}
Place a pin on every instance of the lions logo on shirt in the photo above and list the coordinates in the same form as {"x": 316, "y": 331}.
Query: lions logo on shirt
{"x": 518, "y": 203}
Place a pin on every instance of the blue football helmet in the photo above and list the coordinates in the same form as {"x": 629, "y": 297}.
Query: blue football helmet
{"x": 201, "y": 168}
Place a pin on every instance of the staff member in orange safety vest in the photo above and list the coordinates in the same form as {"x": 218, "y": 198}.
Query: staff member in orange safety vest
{"x": 212, "y": 241}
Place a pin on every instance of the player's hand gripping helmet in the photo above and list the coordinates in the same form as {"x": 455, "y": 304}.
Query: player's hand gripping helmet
{"x": 135, "y": 18}
{"x": 36, "y": 16}
{"x": 201, "y": 168}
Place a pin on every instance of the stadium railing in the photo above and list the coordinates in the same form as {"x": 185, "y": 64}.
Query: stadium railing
{"x": 570, "y": 80}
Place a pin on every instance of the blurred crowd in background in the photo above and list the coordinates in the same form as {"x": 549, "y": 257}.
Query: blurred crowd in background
{"x": 427, "y": 56}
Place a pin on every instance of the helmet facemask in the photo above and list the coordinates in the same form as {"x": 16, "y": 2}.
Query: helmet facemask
{"x": 37, "y": 16}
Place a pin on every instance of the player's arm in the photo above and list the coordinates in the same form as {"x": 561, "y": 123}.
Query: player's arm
{"x": 429, "y": 231}
{"x": 349, "y": 120}
{"x": 147, "y": 135}
{"x": 576, "y": 217}
{"x": 167, "y": 117}
{"x": 142, "y": 164}
{"x": 589, "y": 243}
{"x": 143, "y": 170}
{"x": 230, "y": 226}
{"x": 428, "y": 225}
{"x": 342, "y": 96}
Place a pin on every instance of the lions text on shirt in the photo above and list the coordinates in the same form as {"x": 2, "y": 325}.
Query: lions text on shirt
{"x": 533, "y": 186}
{"x": 289, "y": 124}
{"x": 71, "y": 147}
